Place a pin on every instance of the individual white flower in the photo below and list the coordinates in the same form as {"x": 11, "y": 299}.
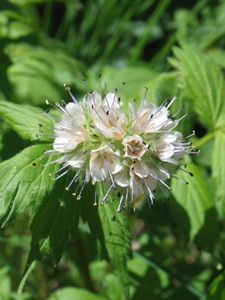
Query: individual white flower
{"x": 134, "y": 147}
{"x": 130, "y": 152}
{"x": 103, "y": 162}
{"x": 107, "y": 115}
{"x": 70, "y": 131}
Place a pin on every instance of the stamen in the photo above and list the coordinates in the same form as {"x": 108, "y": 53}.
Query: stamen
{"x": 121, "y": 90}
{"x": 74, "y": 179}
{"x": 145, "y": 95}
{"x": 110, "y": 174}
{"x": 100, "y": 85}
{"x": 105, "y": 85}
{"x": 81, "y": 190}
{"x": 59, "y": 170}
{"x": 61, "y": 175}
{"x": 71, "y": 95}
{"x": 191, "y": 174}
{"x": 95, "y": 203}
{"x": 119, "y": 209}
{"x": 171, "y": 102}
{"x": 57, "y": 104}
{"x": 181, "y": 180}
{"x": 169, "y": 188}
{"x": 165, "y": 102}
{"x": 179, "y": 110}
{"x": 53, "y": 116}
{"x": 192, "y": 134}
{"x": 107, "y": 193}
{"x": 185, "y": 115}
{"x": 52, "y": 162}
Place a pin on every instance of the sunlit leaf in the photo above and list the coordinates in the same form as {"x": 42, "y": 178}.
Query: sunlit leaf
{"x": 38, "y": 73}
{"x": 24, "y": 182}
{"x": 5, "y": 284}
{"x": 135, "y": 79}
{"x": 218, "y": 171}
{"x": 26, "y": 120}
{"x": 70, "y": 293}
{"x": 203, "y": 82}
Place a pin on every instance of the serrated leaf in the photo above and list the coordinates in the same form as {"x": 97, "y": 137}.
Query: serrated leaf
{"x": 218, "y": 171}
{"x": 52, "y": 223}
{"x": 117, "y": 239}
{"x": 58, "y": 214}
{"x": 71, "y": 293}
{"x": 26, "y": 120}
{"x": 197, "y": 203}
{"x": 203, "y": 82}
{"x": 24, "y": 182}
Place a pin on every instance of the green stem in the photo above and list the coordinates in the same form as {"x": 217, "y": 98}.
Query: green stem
{"x": 154, "y": 18}
{"x": 207, "y": 137}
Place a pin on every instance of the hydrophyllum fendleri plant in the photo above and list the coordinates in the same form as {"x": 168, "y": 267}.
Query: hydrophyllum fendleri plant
{"x": 131, "y": 152}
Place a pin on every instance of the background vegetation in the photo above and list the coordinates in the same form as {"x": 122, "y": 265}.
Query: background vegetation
{"x": 173, "y": 48}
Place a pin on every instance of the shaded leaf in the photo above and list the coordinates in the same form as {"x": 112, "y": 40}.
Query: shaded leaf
{"x": 52, "y": 223}
{"x": 91, "y": 215}
{"x": 196, "y": 200}
{"x": 24, "y": 182}
{"x": 117, "y": 239}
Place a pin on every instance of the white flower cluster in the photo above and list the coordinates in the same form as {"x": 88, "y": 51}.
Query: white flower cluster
{"x": 131, "y": 152}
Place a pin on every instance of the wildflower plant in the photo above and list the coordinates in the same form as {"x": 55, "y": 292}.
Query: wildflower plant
{"x": 101, "y": 152}
{"x": 84, "y": 186}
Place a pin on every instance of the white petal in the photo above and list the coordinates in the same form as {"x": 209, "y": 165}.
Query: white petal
{"x": 140, "y": 169}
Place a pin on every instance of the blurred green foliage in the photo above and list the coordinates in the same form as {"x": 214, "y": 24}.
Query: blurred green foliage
{"x": 171, "y": 47}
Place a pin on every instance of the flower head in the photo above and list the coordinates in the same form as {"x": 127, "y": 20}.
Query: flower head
{"x": 133, "y": 151}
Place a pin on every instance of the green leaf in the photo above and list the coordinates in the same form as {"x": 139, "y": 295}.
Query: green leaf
{"x": 71, "y": 293}
{"x": 35, "y": 75}
{"x": 117, "y": 239}
{"x": 194, "y": 201}
{"x": 5, "y": 284}
{"x": 24, "y": 182}
{"x": 58, "y": 213}
{"x": 135, "y": 79}
{"x": 218, "y": 164}
{"x": 203, "y": 82}
{"x": 27, "y": 120}
{"x": 52, "y": 223}
{"x": 91, "y": 215}
{"x": 216, "y": 289}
